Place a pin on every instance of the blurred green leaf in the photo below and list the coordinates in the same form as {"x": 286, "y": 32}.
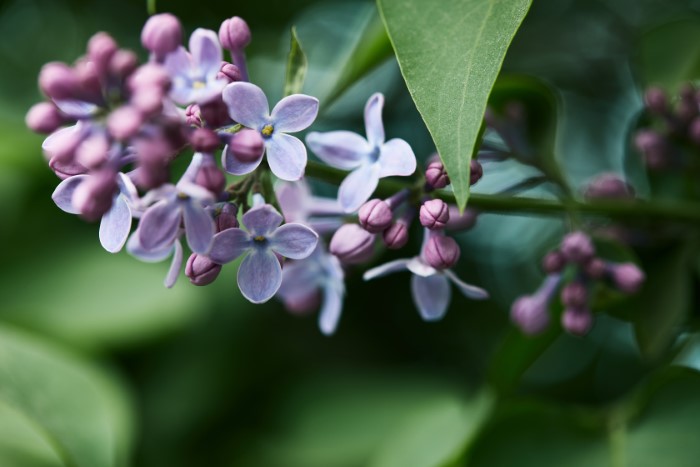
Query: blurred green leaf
{"x": 296, "y": 66}
{"x": 22, "y": 443}
{"x": 81, "y": 412}
{"x": 450, "y": 53}
{"x": 666, "y": 56}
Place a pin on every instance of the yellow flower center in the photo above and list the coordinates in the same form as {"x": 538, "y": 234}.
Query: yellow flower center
{"x": 259, "y": 238}
{"x": 199, "y": 84}
{"x": 267, "y": 130}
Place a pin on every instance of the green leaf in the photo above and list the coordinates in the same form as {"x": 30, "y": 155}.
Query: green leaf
{"x": 450, "y": 53}
{"x": 296, "y": 66}
{"x": 670, "y": 70}
{"x": 81, "y": 413}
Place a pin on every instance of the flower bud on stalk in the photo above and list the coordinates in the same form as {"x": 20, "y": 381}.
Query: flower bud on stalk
{"x": 124, "y": 122}
{"x": 577, "y": 247}
{"x": 553, "y": 262}
{"x": 476, "y": 171}
{"x": 247, "y": 145}
{"x": 44, "y": 117}
{"x": 396, "y": 236}
{"x": 375, "y": 216}
{"x": 101, "y": 49}
{"x": 574, "y": 295}
{"x": 434, "y": 214}
{"x": 123, "y": 63}
{"x": 436, "y": 175}
{"x": 59, "y": 81}
{"x": 627, "y": 277}
{"x": 441, "y": 251}
{"x": 161, "y": 35}
{"x": 229, "y": 72}
{"x": 577, "y": 321}
{"x": 461, "y": 222}
{"x": 227, "y": 217}
{"x": 234, "y": 34}
{"x": 352, "y": 244}
{"x": 201, "y": 270}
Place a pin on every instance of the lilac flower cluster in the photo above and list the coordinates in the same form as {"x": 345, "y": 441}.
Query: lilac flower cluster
{"x": 573, "y": 270}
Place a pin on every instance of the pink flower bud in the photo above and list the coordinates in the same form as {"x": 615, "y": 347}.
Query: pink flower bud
{"x": 123, "y": 63}
{"x": 577, "y": 321}
{"x": 656, "y": 101}
{"x": 59, "y": 81}
{"x": 595, "y": 268}
{"x": 574, "y": 295}
{"x": 434, "y": 214}
{"x": 553, "y": 262}
{"x": 352, "y": 244}
{"x": 459, "y": 222}
{"x": 149, "y": 76}
{"x": 396, "y": 236}
{"x": 88, "y": 80}
{"x": 227, "y": 217}
{"x": 124, "y": 122}
{"x": 627, "y": 277}
{"x": 201, "y": 270}
{"x": 161, "y": 34}
{"x": 204, "y": 140}
{"x": 577, "y": 247}
{"x": 215, "y": 113}
{"x": 148, "y": 100}
{"x": 229, "y": 72}
{"x": 44, "y": 117}
{"x": 93, "y": 151}
{"x": 211, "y": 178}
{"x": 247, "y": 145}
{"x": 530, "y": 314}
{"x": 101, "y": 49}
{"x": 436, "y": 175}
{"x": 441, "y": 252}
{"x": 234, "y": 34}
{"x": 192, "y": 115}
{"x": 476, "y": 171}
{"x": 375, "y": 216}
{"x": 93, "y": 197}
{"x": 608, "y": 186}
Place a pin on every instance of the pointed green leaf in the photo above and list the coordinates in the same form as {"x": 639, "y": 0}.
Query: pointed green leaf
{"x": 296, "y": 66}
{"x": 450, "y": 53}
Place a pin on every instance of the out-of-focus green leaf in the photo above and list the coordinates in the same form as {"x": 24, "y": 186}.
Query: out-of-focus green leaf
{"x": 81, "y": 412}
{"x": 450, "y": 53}
{"x": 296, "y": 66}
{"x": 22, "y": 443}
{"x": 666, "y": 56}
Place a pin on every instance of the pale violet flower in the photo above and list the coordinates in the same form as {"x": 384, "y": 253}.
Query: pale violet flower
{"x": 286, "y": 155}
{"x": 298, "y": 204}
{"x": 260, "y": 273}
{"x": 369, "y": 159}
{"x": 173, "y": 249}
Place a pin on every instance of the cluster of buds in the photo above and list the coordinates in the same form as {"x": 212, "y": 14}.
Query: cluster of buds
{"x": 575, "y": 259}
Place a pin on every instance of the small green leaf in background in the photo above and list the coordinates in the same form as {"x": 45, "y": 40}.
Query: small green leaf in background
{"x": 661, "y": 68}
{"x": 296, "y": 66}
{"x": 450, "y": 53}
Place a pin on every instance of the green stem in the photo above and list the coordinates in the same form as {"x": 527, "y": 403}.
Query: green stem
{"x": 151, "y": 7}
{"x": 624, "y": 210}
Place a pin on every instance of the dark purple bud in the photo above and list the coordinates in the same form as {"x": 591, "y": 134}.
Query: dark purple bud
{"x": 577, "y": 321}
{"x": 229, "y": 72}
{"x": 204, "y": 140}
{"x": 476, "y": 171}
{"x": 434, "y": 214}
{"x": 656, "y": 101}
{"x": 574, "y": 295}
{"x": 59, "y": 81}
{"x": 44, "y": 117}
{"x": 211, "y": 178}
{"x": 352, "y": 244}
{"x": 153, "y": 156}
{"x": 234, "y": 34}
{"x": 123, "y": 63}
{"x": 608, "y": 186}
{"x": 227, "y": 217}
{"x": 577, "y": 247}
{"x": 161, "y": 34}
{"x": 149, "y": 76}
{"x": 687, "y": 106}
{"x": 595, "y": 268}
{"x": 93, "y": 197}
{"x": 93, "y": 151}
{"x": 530, "y": 314}
{"x": 101, "y": 49}
{"x": 627, "y": 277}
{"x": 192, "y": 115}
{"x": 654, "y": 147}
{"x": 436, "y": 175}
{"x": 441, "y": 251}
{"x": 553, "y": 262}
{"x": 375, "y": 216}
{"x": 247, "y": 145}
{"x": 396, "y": 236}
{"x": 89, "y": 80}
{"x": 463, "y": 221}
{"x": 124, "y": 122}
{"x": 215, "y": 113}
{"x": 201, "y": 270}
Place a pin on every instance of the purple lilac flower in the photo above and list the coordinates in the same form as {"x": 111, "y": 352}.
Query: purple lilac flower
{"x": 369, "y": 159}
{"x": 194, "y": 74}
{"x": 531, "y": 312}
{"x": 303, "y": 280}
{"x": 286, "y": 155}
{"x": 430, "y": 288}
{"x": 323, "y": 215}
{"x": 174, "y": 249}
{"x": 260, "y": 273}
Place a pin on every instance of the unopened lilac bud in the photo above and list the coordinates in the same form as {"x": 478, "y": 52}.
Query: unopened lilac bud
{"x": 436, "y": 175}
{"x": 204, "y": 140}
{"x": 574, "y": 295}
{"x": 215, "y": 112}
{"x": 577, "y": 247}
{"x": 627, "y": 277}
{"x": 396, "y": 236}
{"x": 101, "y": 49}
{"x": 595, "y": 268}
{"x": 302, "y": 304}
{"x": 229, "y": 72}
{"x": 201, "y": 270}
{"x": 148, "y": 100}
{"x": 234, "y": 34}
{"x": 441, "y": 252}
{"x": 192, "y": 115}
{"x": 375, "y": 216}
{"x": 161, "y": 34}
{"x": 93, "y": 197}
{"x": 476, "y": 171}
{"x": 211, "y": 178}
{"x": 434, "y": 214}
{"x": 352, "y": 244}
{"x": 553, "y": 262}
{"x": 247, "y": 145}
{"x": 227, "y": 217}
{"x": 123, "y": 63}
{"x": 461, "y": 221}
{"x": 153, "y": 156}
{"x": 124, "y": 122}
{"x": 608, "y": 186}
{"x": 44, "y": 117}
{"x": 59, "y": 81}
{"x": 530, "y": 314}
{"x": 93, "y": 151}
{"x": 577, "y": 321}
{"x": 656, "y": 101}
{"x": 89, "y": 80}
{"x": 149, "y": 76}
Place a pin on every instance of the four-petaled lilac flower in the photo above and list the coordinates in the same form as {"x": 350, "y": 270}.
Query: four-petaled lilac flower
{"x": 369, "y": 159}
{"x": 194, "y": 74}
{"x": 260, "y": 273}
{"x": 286, "y": 155}
{"x": 430, "y": 288}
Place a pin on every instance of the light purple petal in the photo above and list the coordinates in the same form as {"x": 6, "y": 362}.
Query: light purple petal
{"x": 208, "y": 93}
{"x": 294, "y": 241}
{"x": 159, "y": 225}
{"x": 229, "y": 245}
{"x": 246, "y": 104}
{"x": 373, "y": 119}
{"x": 63, "y": 194}
{"x": 325, "y": 225}
{"x": 175, "y": 265}
{"x": 470, "y": 291}
{"x": 396, "y": 158}
{"x": 358, "y": 187}
{"x": 286, "y": 156}
{"x": 386, "y": 268}
{"x": 199, "y": 227}
{"x": 206, "y": 51}
{"x": 431, "y": 295}
{"x": 127, "y": 188}
{"x": 235, "y": 166}
{"x": 76, "y": 109}
{"x": 115, "y": 225}
{"x": 292, "y": 198}
{"x": 342, "y": 149}
{"x": 178, "y": 62}
{"x": 193, "y": 168}
{"x": 67, "y": 137}
{"x": 134, "y": 247}
{"x": 294, "y": 113}
{"x": 331, "y": 310}
{"x": 259, "y": 276}
{"x": 262, "y": 220}
{"x": 299, "y": 279}
{"x": 420, "y": 268}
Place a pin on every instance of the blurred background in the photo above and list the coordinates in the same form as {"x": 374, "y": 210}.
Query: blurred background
{"x": 100, "y": 365}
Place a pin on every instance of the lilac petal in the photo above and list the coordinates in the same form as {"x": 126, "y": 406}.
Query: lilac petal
{"x": 292, "y": 198}
{"x": 229, "y": 245}
{"x": 396, "y": 158}
{"x": 470, "y": 291}
{"x": 324, "y": 225}
{"x": 64, "y": 138}
{"x": 420, "y": 268}
{"x": 206, "y": 51}
{"x": 386, "y": 268}
{"x": 193, "y": 168}
{"x": 294, "y": 113}
{"x": 358, "y": 187}
{"x": 175, "y": 265}
{"x": 115, "y": 225}
{"x": 235, "y": 166}
{"x": 195, "y": 191}
{"x": 127, "y": 188}
{"x": 199, "y": 227}
{"x": 262, "y": 220}
{"x": 431, "y": 295}
{"x": 76, "y": 109}
{"x": 178, "y": 62}
{"x": 341, "y": 149}
{"x": 373, "y": 119}
{"x": 246, "y": 104}
{"x": 294, "y": 241}
{"x": 63, "y": 194}
{"x": 286, "y": 156}
{"x": 134, "y": 247}
{"x": 159, "y": 225}
{"x": 331, "y": 310}
{"x": 299, "y": 279}
{"x": 259, "y": 276}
